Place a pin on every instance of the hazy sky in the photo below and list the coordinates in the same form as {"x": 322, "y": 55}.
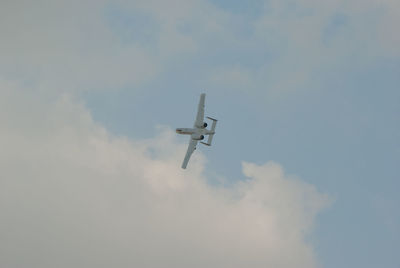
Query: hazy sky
{"x": 304, "y": 169}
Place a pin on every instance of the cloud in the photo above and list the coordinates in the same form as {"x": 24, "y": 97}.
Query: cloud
{"x": 99, "y": 45}
{"x": 108, "y": 45}
{"x": 72, "y": 194}
{"x": 68, "y": 43}
{"x": 295, "y": 45}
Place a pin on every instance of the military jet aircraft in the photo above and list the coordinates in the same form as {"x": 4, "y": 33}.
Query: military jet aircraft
{"x": 198, "y": 131}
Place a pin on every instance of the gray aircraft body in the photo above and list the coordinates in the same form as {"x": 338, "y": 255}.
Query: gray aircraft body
{"x": 198, "y": 132}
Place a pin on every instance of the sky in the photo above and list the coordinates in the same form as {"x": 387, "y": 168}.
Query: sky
{"x": 303, "y": 171}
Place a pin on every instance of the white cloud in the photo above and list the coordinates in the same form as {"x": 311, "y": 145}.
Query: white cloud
{"x": 68, "y": 43}
{"x": 73, "y": 43}
{"x": 304, "y": 40}
{"x": 72, "y": 194}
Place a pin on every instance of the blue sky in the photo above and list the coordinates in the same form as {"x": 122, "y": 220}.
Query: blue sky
{"x": 311, "y": 86}
{"x": 341, "y": 135}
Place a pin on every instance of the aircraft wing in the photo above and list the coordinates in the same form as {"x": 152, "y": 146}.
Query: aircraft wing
{"x": 200, "y": 112}
{"x": 190, "y": 150}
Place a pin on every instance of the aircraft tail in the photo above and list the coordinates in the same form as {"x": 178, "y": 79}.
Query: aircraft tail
{"x": 210, "y": 136}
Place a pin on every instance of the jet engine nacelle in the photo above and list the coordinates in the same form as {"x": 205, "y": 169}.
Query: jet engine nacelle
{"x": 204, "y": 125}
{"x": 197, "y": 137}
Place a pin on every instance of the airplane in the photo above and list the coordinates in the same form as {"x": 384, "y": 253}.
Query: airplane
{"x": 198, "y": 131}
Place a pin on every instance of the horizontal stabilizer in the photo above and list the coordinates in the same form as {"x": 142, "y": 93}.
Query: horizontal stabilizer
{"x": 211, "y": 118}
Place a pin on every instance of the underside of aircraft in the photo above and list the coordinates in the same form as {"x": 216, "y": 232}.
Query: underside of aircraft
{"x": 198, "y": 132}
